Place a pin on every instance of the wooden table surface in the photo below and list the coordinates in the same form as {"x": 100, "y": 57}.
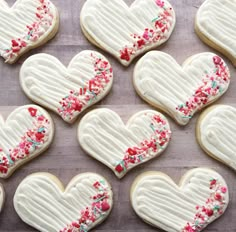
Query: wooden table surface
{"x": 65, "y": 158}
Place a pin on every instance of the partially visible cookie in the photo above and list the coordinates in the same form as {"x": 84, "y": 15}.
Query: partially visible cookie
{"x": 68, "y": 91}
{"x": 201, "y": 197}
{"x": 2, "y": 197}
{"x": 104, "y": 136}
{"x": 42, "y": 202}
{"x": 216, "y": 133}
{"x": 127, "y": 32}
{"x": 26, "y": 25}
{"x": 27, "y": 132}
{"x": 215, "y": 25}
{"x": 181, "y": 91}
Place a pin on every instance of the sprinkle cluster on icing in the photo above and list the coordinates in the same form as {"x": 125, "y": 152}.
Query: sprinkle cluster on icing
{"x": 43, "y": 21}
{"x": 161, "y": 24}
{"x": 213, "y": 208}
{"x": 77, "y": 100}
{"x": 92, "y": 213}
{"x": 148, "y": 148}
{"x": 32, "y": 140}
{"x": 213, "y": 84}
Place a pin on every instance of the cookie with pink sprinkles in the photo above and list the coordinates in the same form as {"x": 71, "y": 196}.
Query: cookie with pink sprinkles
{"x": 25, "y": 26}
{"x": 42, "y": 202}
{"x": 127, "y": 32}
{"x": 201, "y": 197}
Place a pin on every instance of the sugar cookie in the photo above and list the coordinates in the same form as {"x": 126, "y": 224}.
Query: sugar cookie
{"x": 26, "y": 25}
{"x": 216, "y": 133}
{"x": 181, "y": 91}
{"x": 42, "y": 202}
{"x": 67, "y": 91}
{"x": 200, "y": 199}
{"x": 104, "y": 136}
{"x": 27, "y": 132}
{"x": 215, "y": 25}
{"x": 127, "y": 32}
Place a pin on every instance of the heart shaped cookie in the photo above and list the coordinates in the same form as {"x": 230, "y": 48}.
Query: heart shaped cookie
{"x": 201, "y": 198}
{"x": 67, "y": 91}
{"x": 42, "y": 202}
{"x": 181, "y": 91}
{"x": 27, "y": 132}
{"x": 2, "y": 197}
{"x": 215, "y": 25}
{"x": 126, "y": 32}
{"x": 26, "y": 25}
{"x": 103, "y": 135}
{"x": 216, "y": 133}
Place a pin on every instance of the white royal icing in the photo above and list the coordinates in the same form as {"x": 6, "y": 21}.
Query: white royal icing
{"x": 67, "y": 91}
{"x": 121, "y": 147}
{"x": 218, "y": 132}
{"x": 181, "y": 91}
{"x": 26, "y": 133}
{"x": 25, "y": 25}
{"x": 216, "y": 20}
{"x": 41, "y": 201}
{"x": 127, "y": 32}
{"x": 201, "y": 198}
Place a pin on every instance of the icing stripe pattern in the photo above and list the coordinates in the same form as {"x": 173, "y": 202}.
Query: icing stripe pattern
{"x": 24, "y": 24}
{"x": 26, "y": 133}
{"x": 201, "y": 198}
{"x": 120, "y": 30}
{"x": 122, "y": 147}
{"x": 218, "y": 132}
{"x": 67, "y": 91}
{"x": 41, "y": 202}
{"x": 219, "y": 15}
{"x": 181, "y": 91}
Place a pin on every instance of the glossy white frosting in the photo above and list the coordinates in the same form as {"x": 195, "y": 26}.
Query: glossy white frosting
{"x": 41, "y": 201}
{"x": 162, "y": 82}
{"x": 47, "y": 81}
{"x": 110, "y": 23}
{"x": 14, "y": 22}
{"x": 218, "y": 132}
{"x": 13, "y": 132}
{"x": 163, "y": 204}
{"x": 216, "y": 20}
{"x": 104, "y": 136}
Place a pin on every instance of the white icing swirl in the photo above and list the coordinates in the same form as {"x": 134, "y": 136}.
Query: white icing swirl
{"x": 161, "y": 81}
{"x": 112, "y": 24}
{"x": 41, "y": 201}
{"x": 104, "y": 136}
{"x": 161, "y": 203}
{"x": 218, "y": 132}
{"x": 216, "y": 20}
{"x": 47, "y": 81}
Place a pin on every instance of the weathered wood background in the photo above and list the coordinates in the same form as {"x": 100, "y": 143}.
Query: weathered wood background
{"x": 65, "y": 157}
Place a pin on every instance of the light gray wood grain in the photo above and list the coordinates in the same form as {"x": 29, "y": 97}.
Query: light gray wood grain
{"x": 65, "y": 157}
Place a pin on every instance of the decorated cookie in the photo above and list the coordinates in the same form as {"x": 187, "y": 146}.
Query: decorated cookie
{"x": 215, "y": 25}
{"x": 2, "y": 197}
{"x": 67, "y": 91}
{"x": 216, "y": 133}
{"x": 103, "y": 135}
{"x": 42, "y": 202}
{"x": 27, "y": 132}
{"x": 200, "y": 199}
{"x": 181, "y": 91}
{"x": 126, "y": 32}
{"x": 26, "y": 25}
